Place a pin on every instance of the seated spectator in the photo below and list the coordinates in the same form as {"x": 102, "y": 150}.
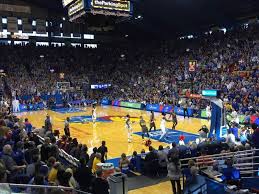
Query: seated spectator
{"x": 97, "y": 160}
{"x": 124, "y": 163}
{"x": 234, "y": 130}
{"x": 83, "y": 176}
{"x": 231, "y": 139}
{"x": 203, "y": 132}
{"x": 100, "y": 185}
{"x": 162, "y": 156}
{"x": 52, "y": 177}
{"x": 10, "y": 164}
{"x": 244, "y": 135}
{"x": 135, "y": 162}
{"x": 230, "y": 173}
{"x": 72, "y": 182}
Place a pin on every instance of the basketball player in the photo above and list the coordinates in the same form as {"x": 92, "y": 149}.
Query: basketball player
{"x": 208, "y": 111}
{"x": 152, "y": 121}
{"x": 94, "y": 113}
{"x": 162, "y": 126}
{"x": 129, "y": 128}
{"x": 174, "y": 119}
{"x": 143, "y": 126}
{"x": 66, "y": 128}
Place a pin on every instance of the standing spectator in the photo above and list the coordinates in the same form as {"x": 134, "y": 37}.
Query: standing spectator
{"x": 100, "y": 185}
{"x": 162, "y": 156}
{"x": 103, "y": 150}
{"x": 45, "y": 149}
{"x": 185, "y": 110}
{"x": 83, "y": 175}
{"x": 66, "y": 128}
{"x": 96, "y": 161}
{"x": 91, "y": 159}
{"x": 255, "y": 136}
{"x": 174, "y": 174}
{"x": 28, "y": 126}
{"x": 48, "y": 124}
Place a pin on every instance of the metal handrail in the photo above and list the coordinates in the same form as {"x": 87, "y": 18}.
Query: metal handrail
{"x": 43, "y": 187}
{"x": 222, "y": 154}
{"x": 63, "y": 154}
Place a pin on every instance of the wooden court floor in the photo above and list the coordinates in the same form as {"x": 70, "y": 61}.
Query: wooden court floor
{"x": 114, "y": 133}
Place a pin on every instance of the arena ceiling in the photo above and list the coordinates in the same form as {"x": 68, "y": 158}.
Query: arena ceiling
{"x": 179, "y": 17}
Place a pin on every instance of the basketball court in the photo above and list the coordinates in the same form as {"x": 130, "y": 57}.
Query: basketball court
{"x": 110, "y": 127}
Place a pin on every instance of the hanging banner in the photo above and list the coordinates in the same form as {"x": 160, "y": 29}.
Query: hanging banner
{"x": 26, "y": 25}
{"x": 12, "y": 24}
{"x": 15, "y": 8}
{"x": 67, "y": 28}
{"x": 1, "y": 27}
{"x": 41, "y": 26}
{"x": 192, "y": 65}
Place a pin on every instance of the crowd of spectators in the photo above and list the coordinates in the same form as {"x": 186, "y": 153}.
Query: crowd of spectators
{"x": 25, "y": 159}
{"x": 154, "y": 73}
{"x": 144, "y": 72}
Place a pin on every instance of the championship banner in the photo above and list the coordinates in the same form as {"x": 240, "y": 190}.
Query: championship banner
{"x": 1, "y": 27}
{"x": 41, "y": 26}
{"x": 26, "y": 25}
{"x": 12, "y": 24}
{"x": 192, "y": 65}
{"x": 15, "y": 8}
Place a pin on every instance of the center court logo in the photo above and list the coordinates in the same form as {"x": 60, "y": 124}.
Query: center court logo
{"x": 88, "y": 119}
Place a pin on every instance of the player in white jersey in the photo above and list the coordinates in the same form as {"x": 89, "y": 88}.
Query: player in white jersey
{"x": 208, "y": 112}
{"x": 94, "y": 114}
{"x": 129, "y": 128}
{"x": 162, "y": 126}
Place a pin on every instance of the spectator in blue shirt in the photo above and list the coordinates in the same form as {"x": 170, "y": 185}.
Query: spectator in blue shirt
{"x": 28, "y": 126}
{"x": 234, "y": 130}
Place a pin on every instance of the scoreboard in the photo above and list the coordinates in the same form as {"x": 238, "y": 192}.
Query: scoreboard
{"x": 116, "y": 5}
{"x": 67, "y": 2}
{"x": 100, "y": 86}
{"x": 76, "y": 8}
